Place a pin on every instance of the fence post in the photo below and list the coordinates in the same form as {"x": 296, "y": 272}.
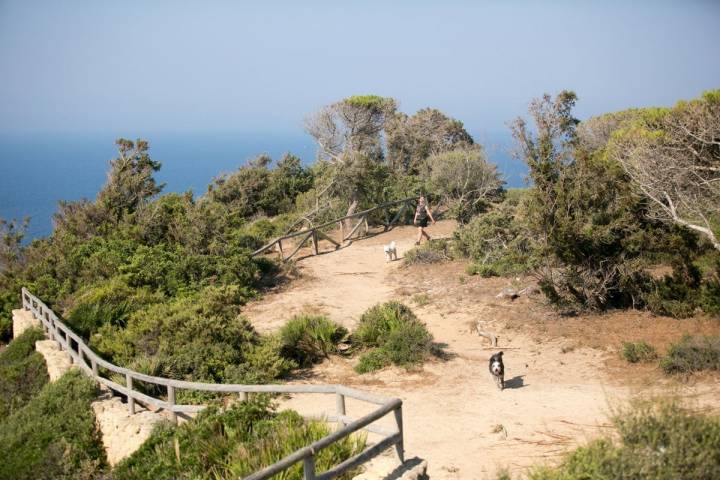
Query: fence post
{"x": 94, "y": 367}
{"x": 243, "y": 396}
{"x": 280, "y": 250}
{"x": 399, "y": 447}
{"x": 315, "y": 242}
{"x": 171, "y": 402}
{"x": 340, "y": 407}
{"x": 309, "y": 467}
{"x": 342, "y": 231}
{"x": 131, "y": 400}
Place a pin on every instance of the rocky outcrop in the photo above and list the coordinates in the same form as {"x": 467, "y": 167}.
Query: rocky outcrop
{"x": 58, "y": 362}
{"x": 122, "y": 433}
{"x": 22, "y": 320}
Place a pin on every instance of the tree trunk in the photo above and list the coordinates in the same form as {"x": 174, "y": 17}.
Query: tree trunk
{"x": 352, "y": 208}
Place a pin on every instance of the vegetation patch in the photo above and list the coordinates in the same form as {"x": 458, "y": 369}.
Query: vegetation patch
{"x": 434, "y": 251}
{"x": 307, "y": 339}
{"x": 54, "y": 435}
{"x": 641, "y": 351}
{"x": 692, "y": 354}
{"x": 394, "y": 334}
{"x": 661, "y": 441}
{"x": 23, "y": 372}
{"x": 234, "y": 443}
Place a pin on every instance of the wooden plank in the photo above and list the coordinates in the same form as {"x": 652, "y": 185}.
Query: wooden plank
{"x": 397, "y": 215}
{"x": 364, "y": 456}
{"x": 299, "y": 246}
{"x": 314, "y": 238}
{"x": 355, "y": 228}
{"x": 326, "y": 237}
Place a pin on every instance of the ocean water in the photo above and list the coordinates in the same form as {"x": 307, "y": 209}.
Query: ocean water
{"x": 36, "y": 171}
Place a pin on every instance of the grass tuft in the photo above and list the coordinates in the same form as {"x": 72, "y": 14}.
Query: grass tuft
{"x": 692, "y": 354}
{"x": 641, "y": 351}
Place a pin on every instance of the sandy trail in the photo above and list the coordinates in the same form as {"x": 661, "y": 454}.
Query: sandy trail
{"x": 558, "y": 394}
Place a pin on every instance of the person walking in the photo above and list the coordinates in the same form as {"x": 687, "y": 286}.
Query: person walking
{"x": 422, "y": 212}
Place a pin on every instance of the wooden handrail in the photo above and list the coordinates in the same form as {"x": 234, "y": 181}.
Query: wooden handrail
{"x": 81, "y": 354}
{"x": 313, "y": 231}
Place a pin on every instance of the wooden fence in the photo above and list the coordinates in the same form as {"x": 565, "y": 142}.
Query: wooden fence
{"x": 90, "y": 363}
{"x": 315, "y": 233}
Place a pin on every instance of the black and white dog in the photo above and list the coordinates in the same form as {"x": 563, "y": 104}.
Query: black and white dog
{"x": 497, "y": 370}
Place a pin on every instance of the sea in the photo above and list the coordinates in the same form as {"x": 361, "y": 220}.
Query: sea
{"x": 38, "y": 170}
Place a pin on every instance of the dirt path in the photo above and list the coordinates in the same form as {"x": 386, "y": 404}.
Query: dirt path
{"x": 341, "y": 284}
{"x": 559, "y": 394}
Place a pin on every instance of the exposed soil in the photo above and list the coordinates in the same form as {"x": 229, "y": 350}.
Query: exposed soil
{"x": 564, "y": 374}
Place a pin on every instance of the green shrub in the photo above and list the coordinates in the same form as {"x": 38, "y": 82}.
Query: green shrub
{"x": 307, "y": 339}
{"x": 641, "y": 351}
{"x": 409, "y": 345}
{"x": 194, "y": 337}
{"x": 395, "y": 335}
{"x": 23, "y": 372}
{"x": 496, "y": 242}
{"x": 54, "y": 435}
{"x": 372, "y": 360}
{"x": 692, "y": 354}
{"x": 108, "y": 303}
{"x": 378, "y": 321}
{"x": 233, "y": 444}
{"x": 660, "y": 442}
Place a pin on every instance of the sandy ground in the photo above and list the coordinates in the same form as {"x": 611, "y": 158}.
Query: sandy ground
{"x": 563, "y": 376}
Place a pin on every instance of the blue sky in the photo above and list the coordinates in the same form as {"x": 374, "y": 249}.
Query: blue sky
{"x": 259, "y": 67}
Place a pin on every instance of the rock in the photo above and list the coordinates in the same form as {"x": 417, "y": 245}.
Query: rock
{"x": 57, "y": 360}
{"x": 122, "y": 433}
{"x": 22, "y": 320}
{"x": 508, "y": 292}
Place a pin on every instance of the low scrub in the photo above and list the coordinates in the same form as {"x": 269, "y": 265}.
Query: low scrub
{"x": 661, "y": 441}
{"x": 234, "y": 443}
{"x": 23, "y": 372}
{"x": 692, "y": 354}
{"x": 307, "y": 339}
{"x": 496, "y": 242}
{"x": 434, "y": 251}
{"x": 54, "y": 435}
{"x": 641, "y": 351}
{"x": 394, "y": 334}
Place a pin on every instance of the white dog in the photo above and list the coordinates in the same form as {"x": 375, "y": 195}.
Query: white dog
{"x": 390, "y": 252}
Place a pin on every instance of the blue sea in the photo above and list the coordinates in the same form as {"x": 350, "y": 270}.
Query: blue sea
{"x": 38, "y": 170}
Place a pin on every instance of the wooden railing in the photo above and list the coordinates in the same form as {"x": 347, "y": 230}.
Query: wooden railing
{"x": 90, "y": 363}
{"x": 315, "y": 233}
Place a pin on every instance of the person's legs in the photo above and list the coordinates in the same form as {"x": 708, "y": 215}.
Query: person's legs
{"x": 420, "y": 235}
{"x": 425, "y": 234}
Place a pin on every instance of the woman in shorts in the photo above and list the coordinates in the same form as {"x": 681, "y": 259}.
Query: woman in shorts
{"x": 422, "y": 213}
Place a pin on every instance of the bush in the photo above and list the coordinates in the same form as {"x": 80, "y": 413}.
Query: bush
{"x": 434, "y": 251}
{"x": 692, "y": 354}
{"x": 233, "y": 444}
{"x": 663, "y": 442}
{"x": 409, "y": 345}
{"x": 308, "y": 339}
{"x": 194, "y": 337}
{"x": 641, "y": 351}
{"x": 496, "y": 242}
{"x": 54, "y": 435}
{"x": 372, "y": 360}
{"x": 395, "y": 335}
{"x": 378, "y": 321}
{"x": 23, "y": 372}
{"x": 108, "y": 303}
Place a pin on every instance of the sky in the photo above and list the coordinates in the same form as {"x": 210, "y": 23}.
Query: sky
{"x": 140, "y": 67}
